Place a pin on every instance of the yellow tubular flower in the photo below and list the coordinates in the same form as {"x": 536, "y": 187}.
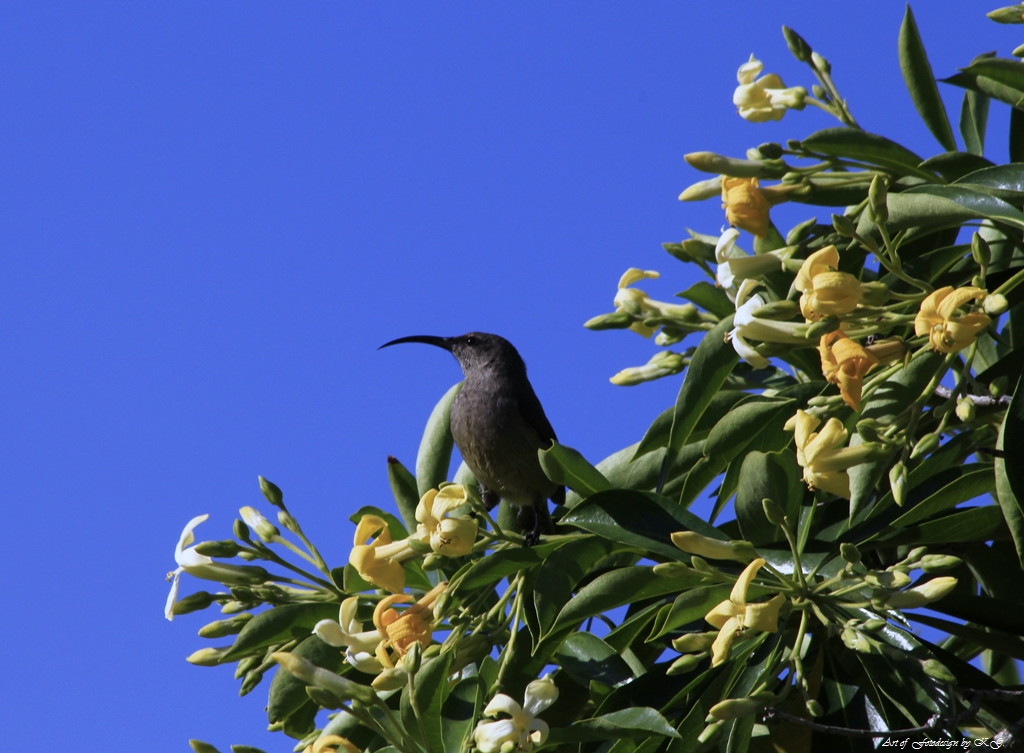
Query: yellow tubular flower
{"x": 844, "y": 363}
{"x": 759, "y": 100}
{"x": 745, "y": 206}
{"x": 825, "y": 291}
{"x": 379, "y": 562}
{"x": 948, "y": 331}
{"x": 400, "y": 631}
{"x": 734, "y": 615}
{"x": 635, "y": 301}
{"x": 448, "y": 536}
{"x": 822, "y": 455}
{"x": 331, "y": 744}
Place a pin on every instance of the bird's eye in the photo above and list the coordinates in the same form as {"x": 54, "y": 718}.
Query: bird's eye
{"x": 471, "y": 341}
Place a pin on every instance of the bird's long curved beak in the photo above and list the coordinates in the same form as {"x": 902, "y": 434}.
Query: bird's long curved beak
{"x": 440, "y": 342}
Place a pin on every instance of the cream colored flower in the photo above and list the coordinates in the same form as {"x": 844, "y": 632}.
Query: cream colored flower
{"x": 663, "y": 363}
{"x": 638, "y": 303}
{"x": 765, "y": 98}
{"x": 522, "y": 730}
{"x": 692, "y": 542}
{"x": 822, "y": 454}
{"x": 918, "y": 596}
{"x": 734, "y": 615}
{"x": 448, "y": 536}
{"x": 735, "y": 265}
{"x": 826, "y": 292}
{"x": 380, "y": 561}
{"x": 746, "y": 325}
{"x": 745, "y": 206}
{"x": 844, "y": 362}
{"x": 360, "y": 646}
{"x": 949, "y": 331}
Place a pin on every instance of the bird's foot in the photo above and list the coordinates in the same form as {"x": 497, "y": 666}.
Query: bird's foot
{"x": 490, "y": 498}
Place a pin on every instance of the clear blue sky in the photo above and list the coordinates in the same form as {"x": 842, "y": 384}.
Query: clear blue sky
{"x": 213, "y": 213}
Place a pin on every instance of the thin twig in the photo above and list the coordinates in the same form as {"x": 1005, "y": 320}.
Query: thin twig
{"x": 982, "y": 401}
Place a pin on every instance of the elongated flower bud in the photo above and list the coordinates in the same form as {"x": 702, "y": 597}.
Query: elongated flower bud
{"x": 695, "y": 543}
{"x": 918, "y": 596}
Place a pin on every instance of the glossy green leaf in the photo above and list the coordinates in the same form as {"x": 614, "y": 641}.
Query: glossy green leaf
{"x": 955, "y": 165}
{"x": 998, "y": 614}
{"x": 287, "y": 692}
{"x": 1007, "y": 71}
{"x": 1004, "y": 643}
{"x": 657, "y": 434}
{"x": 1005, "y": 182}
{"x": 917, "y": 73}
{"x": 1009, "y": 472}
{"x": 974, "y": 121}
{"x": 709, "y": 298}
{"x": 973, "y": 524}
{"x": 585, "y": 657}
{"x": 279, "y": 625}
{"x": 962, "y": 490}
{"x": 986, "y": 85}
{"x": 641, "y": 519}
{"x": 635, "y": 722}
{"x": 405, "y": 492}
{"x": 494, "y": 567}
{"x": 710, "y": 365}
{"x": 460, "y": 712}
{"x": 561, "y": 573}
{"x": 567, "y": 467}
{"x": 867, "y": 147}
{"x": 761, "y": 477}
{"x": 979, "y": 203}
{"x": 689, "y": 606}
{"x": 431, "y": 689}
{"x": 997, "y": 571}
{"x": 435, "y": 453}
{"x": 630, "y": 629}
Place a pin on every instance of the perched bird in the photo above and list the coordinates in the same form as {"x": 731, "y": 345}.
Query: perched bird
{"x": 498, "y": 425}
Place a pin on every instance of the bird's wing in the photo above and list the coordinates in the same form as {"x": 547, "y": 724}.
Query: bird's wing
{"x": 533, "y": 413}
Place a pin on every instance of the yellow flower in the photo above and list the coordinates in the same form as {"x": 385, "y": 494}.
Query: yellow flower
{"x": 638, "y": 303}
{"x": 400, "y": 631}
{"x": 844, "y": 362}
{"x": 765, "y": 98}
{"x": 448, "y": 536}
{"x": 522, "y": 730}
{"x": 745, "y": 206}
{"x": 330, "y": 744}
{"x": 948, "y": 331}
{"x": 918, "y": 596}
{"x": 734, "y": 615}
{"x": 825, "y": 291}
{"x": 822, "y": 455}
{"x": 380, "y": 561}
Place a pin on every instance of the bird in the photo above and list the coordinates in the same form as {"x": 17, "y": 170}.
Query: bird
{"x": 499, "y": 424}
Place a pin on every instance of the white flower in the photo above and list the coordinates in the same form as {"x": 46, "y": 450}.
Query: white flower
{"x": 765, "y": 98}
{"x": 745, "y": 325}
{"x": 360, "y": 646}
{"x": 522, "y": 730}
{"x": 736, "y": 265}
{"x": 186, "y": 558}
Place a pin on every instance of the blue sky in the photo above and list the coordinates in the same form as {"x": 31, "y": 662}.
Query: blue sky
{"x": 213, "y": 213}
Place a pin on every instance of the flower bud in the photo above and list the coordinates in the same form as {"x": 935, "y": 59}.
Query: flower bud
{"x": 241, "y": 530}
{"x": 709, "y": 162}
{"x": 193, "y": 602}
{"x": 618, "y": 320}
{"x": 390, "y": 679}
{"x": 246, "y": 665}
{"x": 800, "y": 49}
{"x": 819, "y": 91}
{"x": 995, "y": 304}
{"x": 965, "y": 408}
{"x": 200, "y": 747}
{"x": 850, "y": 552}
{"x": 918, "y": 596}
{"x": 272, "y": 492}
{"x": 710, "y": 733}
{"x": 770, "y": 150}
{"x": 233, "y": 607}
{"x": 889, "y": 579}
{"x": 1012, "y": 14}
{"x": 821, "y": 63}
{"x": 433, "y": 561}
{"x": 778, "y": 310}
{"x": 926, "y": 444}
{"x": 898, "y": 483}
{"x": 873, "y": 624}
{"x": 874, "y": 293}
{"x": 285, "y": 519}
{"x": 694, "y": 543}
{"x": 844, "y": 225}
{"x": 774, "y": 512}
{"x": 263, "y": 527}
{"x": 701, "y": 565}
{"x": 822, "y": 327}
{"x": 856, "y": 641}
{"x": 939, "y": 563}
{"x": 413, "y": 658}
{"x": 672, "y": 570}
{"x": 252, "y": 679}
{"x": 311, "y": 674}
{"x": 877, "y": 195}
{"x": 814, "y": 708}
{"x": 980, "y": 251}
{"x": 705, "y": 189}
{"x": 889, "y": 350}
{"x": 208, "y": 657}
{"x": 868, "y": 429}
{"x": 733, "y": 708}
{"x": 684, "y": 664}
{"x": 220, "y": 628}
{"x": 441, "y": 604}
{"x": 694, "y": 642}
{"x": 998, "y": 386}
{"x": 325, "y": 699}
{"x": 938, "y": 670}
{"x": 225, "y": 548}
{"x": 1018, "y": 51}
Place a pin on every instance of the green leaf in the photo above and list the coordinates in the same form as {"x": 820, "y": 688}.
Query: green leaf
{"x": 867, "y": 147}
{"x": 567, "y": 467}
{"x": 493, "y": 567}
{"x": 585, "y": 657}
{"x": 395, "y": 527}
{"x": 635, "y": 722}
{"x": 1004, "y": 643}
{"x": 431, "y": 689}
{"x": 962, "y": 490}
{"x": 351, "y": 581}
{"x": 657, "y": 434}
{"x": 1007, "y": 71}
{"x": 460, "y": 712}
{"x": 974, "y": 121}
{"x": 761, "y": 476}
{"x": 279, "y": 625}
{"x": 708, "y": 369}
{"x": 200, "y": 747}
{"x": 288, "y": 692}
{"x": 1016, "y": 135}
{"x": 435, "y": 454}
{"x": 641, "y": 519}
{"x": 955, "y": 165}
{"x": 1002, "y": 181}
{"x": 979, "y": 203}
{"x": 917, "y": 73}
{"x": 1010, "y": 475}
{"x": 689, "y": 606}
{"x": 709, "y": 298}
{"x": 986, "y": 85}
{"x": 561, "y": 573}
{"x": 404, "y": 490}
{"x": 973, "y": 524}
{"x": 998, "y": 614}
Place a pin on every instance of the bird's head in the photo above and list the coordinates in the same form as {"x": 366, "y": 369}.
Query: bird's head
{"x": 475, "y": 351}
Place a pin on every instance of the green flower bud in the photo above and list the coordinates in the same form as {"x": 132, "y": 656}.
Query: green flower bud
{"x": 285, "y": 519}
{"x": 965, "y": 408}
{"x": 193, "y": 602}
{"x": 998, "y": 386}
{"x": 695, "y": 543}
{"x": 208, "y": 657}
{"x": 814, "y": 708}
{"x": 856, "y": 641}
{"x": 888, "y": 579}
{"x": 413, "y": 658}
{"x": 200, "y": 747}
{"x": 1018, "y": 51}
{"x": 672, "y": 570}
{"x": 918, "y": 596}
{"x": 709, "y": 162}
{"x": 249, "y": 556}
{"x": 914, "y": 555}
{"x": 874, "y": 293}
{"x": 685, "y": 664}
{"x": 819, "y": 92}
{"x": 873, "y": 624}
{"x": 252, "y": 679}
{"x": 433, "y": 561}
{"x": 618, "y": 320}
{"x": 1012, "y": 14}
{"x": 701, "y": 565}
{"x": 243, "y": 594}
{"x": 778, "y": 310}
{"x": 801, "y": 231}
{"x": 233, "y": 607}
{"x": 241, "y": 531}
{"x": 878, "y": 211}
{"x": 694, "y": 642}
{"x": 925, "y": 445}
{"x": 822, "y": 327}
{"x": 868, "y": 429}
{"x": 980, "y": 251}
{"x": 272, "y": 492}
{"x": 733, "y": 708}
{"x": 710, "y": 733}
{"x": 800, "y": 49}
{"x": 225, "y": 548}
{"x": 322, "y": 678}
{"x": 821, "y": 63}
{"x": 255, "y": 520}
{"x": 220, "y": 628}
{"x": 246, "y": 665}
{"x": 705, "y": 189}
{"x": 995, "y": 304}
{"x": 774, "y": 512}
{"x": 850, "y": 552}
{"x": 938, "y": 670}
{"x": 844, "y": 225}
{"x": 770, "y": 150}
{"x": 898, "y": 483}
{"x": 939, "y": 563}
{"x": 441, "y": 605}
